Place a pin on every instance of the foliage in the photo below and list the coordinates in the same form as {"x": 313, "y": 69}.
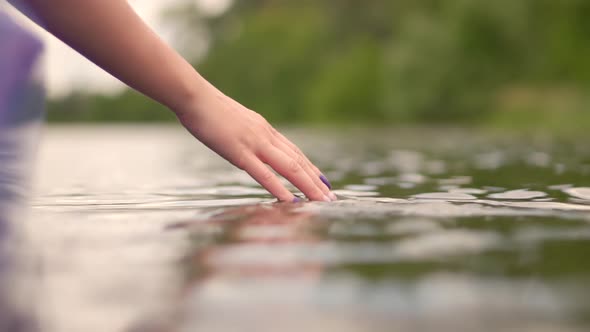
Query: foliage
{"x": 345, "y": 61}
{"x": 128, "y": 106}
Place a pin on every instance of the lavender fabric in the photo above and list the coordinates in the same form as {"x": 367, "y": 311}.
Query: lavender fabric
{"x": 21, "y": 108}
{"x": 21, "y": 103}
{"x": 19, "y": 52}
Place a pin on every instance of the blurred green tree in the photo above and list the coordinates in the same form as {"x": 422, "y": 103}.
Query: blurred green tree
{"x": 345, "y": 61}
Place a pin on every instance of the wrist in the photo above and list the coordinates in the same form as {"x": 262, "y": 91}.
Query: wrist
{"x": 197, "y": 97}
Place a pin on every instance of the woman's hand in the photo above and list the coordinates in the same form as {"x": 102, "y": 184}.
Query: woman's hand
{"x": 248, "y": 141}
{"x": 112, "y": 35}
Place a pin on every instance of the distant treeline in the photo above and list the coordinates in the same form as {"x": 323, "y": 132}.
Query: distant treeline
{"x": 345, "y": 61}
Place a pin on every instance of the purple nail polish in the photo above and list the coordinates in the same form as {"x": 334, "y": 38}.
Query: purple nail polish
{"x": 325, "y": 181}
{"x": 296, "y": 199}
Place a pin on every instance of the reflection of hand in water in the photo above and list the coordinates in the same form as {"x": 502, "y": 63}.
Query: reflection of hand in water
{"x": 277, "y": 229}
{"x": 246, "y": 224}
{"x": 221, "y": 254}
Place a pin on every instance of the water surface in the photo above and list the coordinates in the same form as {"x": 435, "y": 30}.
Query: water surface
{"x": 454, "y": 230}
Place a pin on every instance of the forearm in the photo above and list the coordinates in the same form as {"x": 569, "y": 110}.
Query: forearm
{"x": 110, "y": 34}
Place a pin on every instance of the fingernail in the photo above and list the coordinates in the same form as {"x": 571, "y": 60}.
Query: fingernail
{"x": 296, "y": 199}
{"x": 327, "y": 199}
{"x": 325, "y": 181}
{"x": 332, "y": 196}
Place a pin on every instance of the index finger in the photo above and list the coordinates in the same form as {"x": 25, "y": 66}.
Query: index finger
{"x": 263, "y": 175}
{"x": 292, "y": 170}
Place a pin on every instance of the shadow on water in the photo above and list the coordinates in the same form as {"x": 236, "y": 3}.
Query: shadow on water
{"x": 442, "y": 230}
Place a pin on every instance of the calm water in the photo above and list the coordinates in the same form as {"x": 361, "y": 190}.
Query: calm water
{"x": 141, "y": 228}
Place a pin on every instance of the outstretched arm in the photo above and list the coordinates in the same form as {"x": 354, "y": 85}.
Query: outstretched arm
{"x": 109, "y": 33}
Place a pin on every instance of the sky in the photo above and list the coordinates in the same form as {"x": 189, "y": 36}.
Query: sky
{"x": 66, "y": 70}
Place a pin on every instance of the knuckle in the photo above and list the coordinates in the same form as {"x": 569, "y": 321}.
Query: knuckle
{"x": 294, "y": 166}
{"x": 241, "y": 161}
{"x": 300, "y": 159}
{"x": 300, "y": 154}
{"x": 259, "y": 119}
{"x": 266, "y": 176}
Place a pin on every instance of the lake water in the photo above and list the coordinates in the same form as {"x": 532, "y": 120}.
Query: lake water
{"x": 143, "y": 229}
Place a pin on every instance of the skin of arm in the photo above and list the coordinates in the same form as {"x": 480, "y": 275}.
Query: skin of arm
{"x": 113, "y": 36}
